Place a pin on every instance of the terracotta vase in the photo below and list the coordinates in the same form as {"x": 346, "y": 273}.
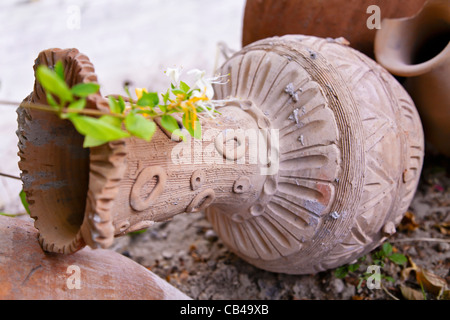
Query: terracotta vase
{"x": 418, "y": 48}
{"x": 312, "y": 162}
{"x": 27, "y": 273}
{"x": 321, "y": 18}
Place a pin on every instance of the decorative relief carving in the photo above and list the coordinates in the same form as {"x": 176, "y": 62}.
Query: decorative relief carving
{"x": 141, "y": 198}
{"x": 201, "y": 201}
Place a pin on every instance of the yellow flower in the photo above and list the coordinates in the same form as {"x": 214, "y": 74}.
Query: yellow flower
{"x": 139, "y": 92}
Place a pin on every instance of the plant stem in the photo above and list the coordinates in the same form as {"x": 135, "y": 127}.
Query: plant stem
{"x": 9, "y": 176}
{"x": 44, "y": 107}
{"x": 388, "y": 293}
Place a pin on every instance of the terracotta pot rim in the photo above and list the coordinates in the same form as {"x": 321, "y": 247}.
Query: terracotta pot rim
{"x": 88, "y": 226}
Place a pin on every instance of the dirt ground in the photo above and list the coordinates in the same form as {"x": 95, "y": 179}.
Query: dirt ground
{"x": 189, "y": 255}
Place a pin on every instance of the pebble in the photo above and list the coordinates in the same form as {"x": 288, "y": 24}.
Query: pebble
{"x": 337, "y": 286}
{"x": 443, "y": 246}
{"x": 211, "y": 235}
{"x": 167, "y": 254}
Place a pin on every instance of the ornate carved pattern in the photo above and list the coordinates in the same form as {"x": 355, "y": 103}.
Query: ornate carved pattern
{"x": 142, "y": 197}
{"x": 348, "y": 134}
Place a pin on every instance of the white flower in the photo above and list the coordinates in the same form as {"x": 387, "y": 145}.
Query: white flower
{"x": 173, "y": 74}
{"x": 205, "y": 84}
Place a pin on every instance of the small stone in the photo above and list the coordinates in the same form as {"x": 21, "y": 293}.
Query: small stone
{"x": 210, "y": 235}
{"x": 443, "y": 247}
{"x": 337, "y": 286}
{"x": 167, "y": 254}
{"x": 412, "y": 251}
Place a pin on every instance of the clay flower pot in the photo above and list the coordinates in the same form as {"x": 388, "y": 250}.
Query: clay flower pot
{"x": 26, "y": 272}
{"x": 321, "y": 18}
{"x": 312, "y": 163}
{"x": 418, "y": 48}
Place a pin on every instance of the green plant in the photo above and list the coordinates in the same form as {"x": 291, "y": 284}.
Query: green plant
{"x": 378, "y": 258}
{"x": 135, "y": 119}
{"x": 344, "y": 270}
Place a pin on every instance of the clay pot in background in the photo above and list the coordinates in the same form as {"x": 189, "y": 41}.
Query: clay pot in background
{"x": 322, "y": 18}
{"x": 418, "y": 48}
{"x": 341, "y": 145}
{"x": 26, "y": 272}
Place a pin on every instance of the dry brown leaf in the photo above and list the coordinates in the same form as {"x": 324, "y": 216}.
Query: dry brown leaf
{"x": 430, "y": 281}
{"x": 408, "y": 222}
{"x": 411, "y": 294}
{"x": 406, "y": 271}
{"x": 444, "y": 228}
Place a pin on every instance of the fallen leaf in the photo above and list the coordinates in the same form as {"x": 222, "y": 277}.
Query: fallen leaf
{"x": 408, "y": 222}
{"x": 411, "y": 294}
{"x": 406, "y": 271}
{"x": 444, "y": 228}
{"x": 431, "y": 282}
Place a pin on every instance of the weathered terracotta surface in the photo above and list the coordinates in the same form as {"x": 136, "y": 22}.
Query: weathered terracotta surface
{"x": 418, "y": 48}
{"x": 26, "y": 272}
{"x": 350, "y": 154}
{"x": 335, "y": 167}
{"x": 321, "y": 18}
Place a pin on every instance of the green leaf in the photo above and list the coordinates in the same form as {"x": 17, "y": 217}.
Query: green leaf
{"x": 78, "y": 104}
{"x": 140, "y": 127}
{"x": 341, "y": 272}
{"x": 166, "y": 96}
{"x": 169, "y": 123}
{"x": 52, "y": 83}
{"x": 59, "y": 69}
{"x": 353, "y": 267}
{"x": 51, "y": 101}
{"x": 398, "y": 258}
{"x": 114, "y": 105}
{"x": 23, "y": 199}
{"x": 177, "y": 91}
{"x": 85, "y": 89}
{"x": 184, "y": 87}
{"x": 99, "y": 129}
{"x": 122, "y": 104}
{"x": 90, "y": 142}
{"x": 163, "y": 108}
{"x": 149, "y": 99}
{"x": 115, "y": 121}
{"x": 388, "y": 278}
{"x": 386, "y": 249}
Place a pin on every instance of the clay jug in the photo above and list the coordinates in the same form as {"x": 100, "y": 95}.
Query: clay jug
{"x": 321, "y": 18}
{"x": 312, "y": 162}
{"x": 26, "y": 272}
{"x": 418, "y": 48}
